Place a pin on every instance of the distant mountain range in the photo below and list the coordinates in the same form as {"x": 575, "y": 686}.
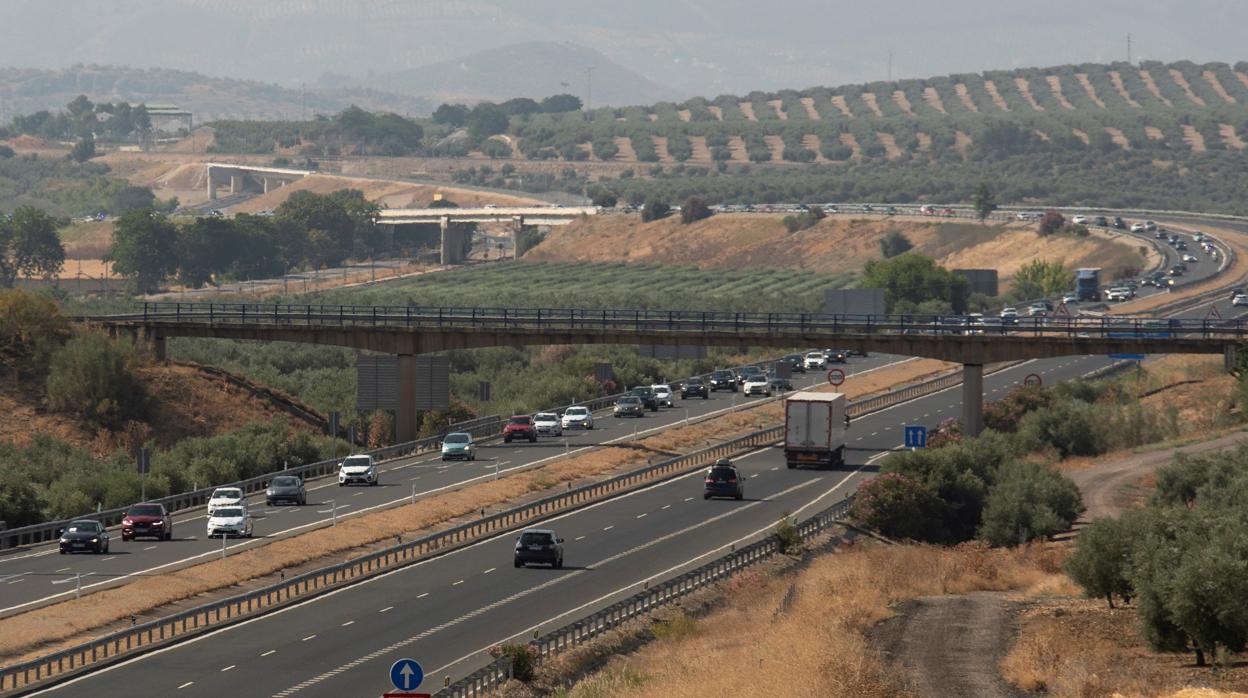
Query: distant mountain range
{"x": 535, "y": 69}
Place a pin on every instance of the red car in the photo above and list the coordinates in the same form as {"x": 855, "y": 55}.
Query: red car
{"x": 520, "y": 426}
{"x": 147, "y": 519}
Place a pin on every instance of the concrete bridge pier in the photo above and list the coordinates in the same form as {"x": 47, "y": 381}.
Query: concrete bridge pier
{"x": 972, "y": 399}
{"x": 405, "y": 421}
{"x": 452, "y": 241}
{"x": 236, "y": 184}
{"x": 160, "y": 349}
{"x": 517, "y": 227}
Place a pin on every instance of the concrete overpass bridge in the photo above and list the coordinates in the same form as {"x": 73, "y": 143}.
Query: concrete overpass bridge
{"x": 239, "y": 176}
{"x": 452, "y": 238}
{"x": 407, "y": 331}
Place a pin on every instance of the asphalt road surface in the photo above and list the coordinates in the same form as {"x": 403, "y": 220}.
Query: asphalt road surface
{"x": 447, "y": 611}
{"x": 36, "y": 576}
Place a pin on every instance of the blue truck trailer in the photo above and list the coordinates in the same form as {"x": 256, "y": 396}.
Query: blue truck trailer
{"x": 1088, "y": 284}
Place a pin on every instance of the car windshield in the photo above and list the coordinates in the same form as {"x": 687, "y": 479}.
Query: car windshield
{"x": 285, "y": 481}
{"x": 457, "y": 439}
{"x": 83, "y": 527}
{"x": 545, "y": 417}
{"x": 356, "y": 462}
{"x": 723, "y": 374}
{"x": 531, "y": 538}
{"x": 229, "y": 493}
{"x": 228, "y": 513}
{"x": 694, "y": 381}
{"x": 662, "y": 389}
{"x": 723, "y": 473}
{"x": 518, "y": 420}
{"x": 144, "y": 510}
{"x": 577, "y": 411}
{"x": 630, "y": 400}
{"x": 750, "y": 370}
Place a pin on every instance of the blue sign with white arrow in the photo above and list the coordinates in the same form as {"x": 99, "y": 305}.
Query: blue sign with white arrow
{"x": 1128, "y": 357}
{"x": 916, "y": 436}
{"x": 406, "y": 674}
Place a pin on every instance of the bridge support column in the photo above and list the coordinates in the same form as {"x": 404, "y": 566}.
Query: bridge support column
{"x": 236, "y": 184}
{"x": 405, "y": 426}
{"x": 265, "y": 184}
{"x": 517, "y": 228}
{"x": 447, "y": 251}
{"x": 160, "y": 350}
{"x": 212, "y": 186}
{"x": 972, "y": 399}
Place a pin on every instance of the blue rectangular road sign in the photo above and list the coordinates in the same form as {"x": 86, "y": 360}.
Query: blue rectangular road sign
{"x": 1128, "y": 357}
{"x": 916, "y": 436}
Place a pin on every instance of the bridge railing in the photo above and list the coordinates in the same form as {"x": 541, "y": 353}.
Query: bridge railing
{"x": 798, "y": 325}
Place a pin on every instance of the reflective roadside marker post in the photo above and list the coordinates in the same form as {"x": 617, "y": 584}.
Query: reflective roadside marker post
{"x": 223, "y": 537}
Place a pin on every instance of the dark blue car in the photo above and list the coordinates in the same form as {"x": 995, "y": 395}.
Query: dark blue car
{"x": 723, "y": 480}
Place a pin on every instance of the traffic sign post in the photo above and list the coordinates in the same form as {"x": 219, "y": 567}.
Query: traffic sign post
{"x": 836, "y": 376}
{"x": 406, "y": 675}
{"x": 916, "y": 436}
{"x": 1033, "y": 380}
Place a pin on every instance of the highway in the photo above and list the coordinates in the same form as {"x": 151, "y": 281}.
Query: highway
{"x": 446, "y": 611}
{"x": 36, "y": 576}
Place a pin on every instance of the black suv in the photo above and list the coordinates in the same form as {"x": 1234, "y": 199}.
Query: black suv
{"x": 1101, "y": 221}
{"x": 648, "y": 398}
{"x": 1119, "y": 223}
{"x": 695, "y": 387}
{"x": 796, "y": 363}
{"x": 779, "y": 385}
{"x": 540, "y": 545}
{"x": 723, "y": 480}
{"x": 723, "y": 379}
{"x": 747, "y": 372}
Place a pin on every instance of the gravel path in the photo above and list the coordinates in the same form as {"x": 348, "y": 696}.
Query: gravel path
{"x": 949, "y": 646}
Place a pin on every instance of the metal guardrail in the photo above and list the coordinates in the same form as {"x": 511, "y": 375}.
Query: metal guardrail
{"x": 38, "y": 533}
{"x": 108, "y": 648}
{"x": 587, "y": 628}
{"x": 801, "y": 326}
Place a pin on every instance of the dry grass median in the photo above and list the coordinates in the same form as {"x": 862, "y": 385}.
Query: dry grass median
{"x": 43, "y": 630}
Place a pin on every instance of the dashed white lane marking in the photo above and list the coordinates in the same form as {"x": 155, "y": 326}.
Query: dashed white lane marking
{"x": 580, "y": 538}
{"x": 188, "y": 683}
{"x": 63, "y": 569}
{"x": 110, "y": 557}
{"x": 489, "y": 570}
{"x": 688, "y": 499}
{"x": 667, "y": 506}
{"x": 423, "y": 595}
{"x": 457, "y": 583}
{"x": 350, "y": 622}
{"x": 228, "y": 668}
{"x": 608, "y": 528}
{"x": 641, "y": 516}
{"x": 150, "y": 547}
{"x": 19, "y": 580}
{"x": 268, "y": 653}
{"x": 308, "y": 638}
{"x": 521, "y": 594}
{"x": 387, "y": 608}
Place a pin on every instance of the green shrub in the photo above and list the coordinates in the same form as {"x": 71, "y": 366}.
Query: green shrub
{"x": 901, "y": 507}
{"x": 93, "y": 378}
{"x": 1071, "y": 428}
{"x": 1029, "y": 501}
{"x": 1101, "y": 560}
{"x": 523, "y": 659}
{"x": 788, "y": 540}
{"x": 894, "y": 243}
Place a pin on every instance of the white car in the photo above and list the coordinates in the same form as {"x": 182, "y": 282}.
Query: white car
{"x": 1189, "y": 258}
{"x": 577, "y": 418}
{"x": 1038, "y": 310}
{"x": 757, "y": 385}
{"x": 1239, "y": 299}
{"x": 225, "y": 497}
{"x": 1137, "y": 227}
{"x": 1119, "y": 293}
{"x": 547, "y": 424}
{"x": 1070, "y": 299}
{"x": 974, "y": 323}
{"x": 815, "y": 360}
{"x": 663, "y": 393}
{"x": 1079, "y": 220}
{"x": 1198, "y": 236}
{"x": 1009, "y": 313}
{"x": 230, "y": 521}
{"x": 1150, "y": 226}
{"x": 358, "y": 469}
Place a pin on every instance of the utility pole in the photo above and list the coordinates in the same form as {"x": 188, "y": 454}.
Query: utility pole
{"x": 303, "y": 101}
{"x": 1128, "y": 48}
{"x": 589, "y": 84}
{"x": 890, "y": 65}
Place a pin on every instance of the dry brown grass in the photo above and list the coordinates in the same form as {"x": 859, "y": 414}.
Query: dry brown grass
{"x": 818, "y": 646}
{"x": 1073, "y": 648}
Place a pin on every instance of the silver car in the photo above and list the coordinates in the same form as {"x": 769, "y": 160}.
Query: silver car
{"x": 547, "y": 424}
{"x": 629, "y": 406}
{"x": 663, "y": 393}
{"x": 577, "y": 418}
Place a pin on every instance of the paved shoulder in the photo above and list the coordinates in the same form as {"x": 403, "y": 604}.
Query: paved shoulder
{"x": 949, "y": 646}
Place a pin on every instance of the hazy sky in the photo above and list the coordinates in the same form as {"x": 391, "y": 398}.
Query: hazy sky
{"x": 696, "y": 47}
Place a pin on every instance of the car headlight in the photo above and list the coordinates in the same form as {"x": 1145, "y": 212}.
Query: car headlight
{"x": 95, "y": 540}
{"x": 64, "y": 540}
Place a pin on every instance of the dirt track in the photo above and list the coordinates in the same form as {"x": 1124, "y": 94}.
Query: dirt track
{"x": 950, "y": 645}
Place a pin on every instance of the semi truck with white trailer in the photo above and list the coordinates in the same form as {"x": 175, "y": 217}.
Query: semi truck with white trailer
{"x": 814, "y": 429}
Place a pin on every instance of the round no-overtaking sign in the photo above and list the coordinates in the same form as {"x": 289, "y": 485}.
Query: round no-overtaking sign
{"x": 836, "y": 376}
